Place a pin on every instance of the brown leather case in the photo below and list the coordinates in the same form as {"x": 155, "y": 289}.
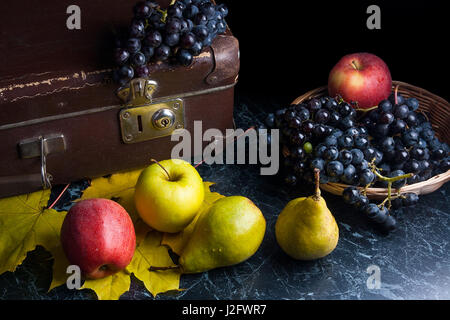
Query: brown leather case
{"x": 60, "y": 114}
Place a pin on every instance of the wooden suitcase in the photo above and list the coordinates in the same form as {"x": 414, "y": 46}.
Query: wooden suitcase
{"x": 61, "y": 118}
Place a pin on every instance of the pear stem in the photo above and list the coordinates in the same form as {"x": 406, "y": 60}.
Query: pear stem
{"x": 159, "y": 164}
{"x": 163, "y": 268}
{"x": 317, "y": 182}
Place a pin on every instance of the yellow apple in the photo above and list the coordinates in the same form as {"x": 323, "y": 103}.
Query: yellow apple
{"x": 168, "y": 199}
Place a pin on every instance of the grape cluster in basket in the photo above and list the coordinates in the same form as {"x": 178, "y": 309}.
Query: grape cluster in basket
{"x": 389, "y": 147}
{"x": 175, "y": 35}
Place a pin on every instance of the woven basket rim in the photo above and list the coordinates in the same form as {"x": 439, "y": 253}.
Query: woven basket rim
{"x": 423, "y": 187}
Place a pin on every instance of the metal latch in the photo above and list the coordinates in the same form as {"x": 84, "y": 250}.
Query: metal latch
{"x": 142, "y": 119}
{"x": 41, "y": 147}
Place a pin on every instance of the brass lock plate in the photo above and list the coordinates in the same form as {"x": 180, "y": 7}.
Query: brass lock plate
{"x": 151, "y": 121}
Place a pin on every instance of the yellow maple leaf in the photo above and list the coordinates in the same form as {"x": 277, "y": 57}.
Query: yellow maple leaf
{"x": 118, "y": 186}
{"x": 177, "y": 241}
{"x": 151, "y": 253}
{"x": 24, "y": 224}
{"x": 111, "y": 287}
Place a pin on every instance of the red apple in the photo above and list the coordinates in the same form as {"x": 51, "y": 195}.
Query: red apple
{"x": 98, "y": 236}
{"x": 362, "y": 78}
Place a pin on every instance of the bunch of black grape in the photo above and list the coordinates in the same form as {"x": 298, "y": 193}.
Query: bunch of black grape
{"x": 175, "y": 35}
{"x": 323, "y": 133}
{"x": 379, "y": 214}
{"x": 406, "y": 139}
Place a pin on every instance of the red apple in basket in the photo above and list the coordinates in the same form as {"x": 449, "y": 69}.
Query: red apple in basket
{"x": 98, "y": 236}
{"x": 362, "y": 78}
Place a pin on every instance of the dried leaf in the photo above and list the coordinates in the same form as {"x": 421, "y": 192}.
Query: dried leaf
{"x": 151, "y": 253}
{"x": 24, "y": 224}
{"x": 119, "y": 187}
{"x": 111, "y": 287}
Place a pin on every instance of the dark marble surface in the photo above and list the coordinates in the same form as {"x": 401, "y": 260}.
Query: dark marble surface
{"x": 414, "y": 260}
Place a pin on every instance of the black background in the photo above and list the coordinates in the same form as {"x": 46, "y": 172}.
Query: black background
{"x": 289, "y": 47}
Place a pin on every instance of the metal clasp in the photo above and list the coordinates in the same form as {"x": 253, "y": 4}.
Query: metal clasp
{"x": 41, "y": 147}
{"x": 143, "y": 119}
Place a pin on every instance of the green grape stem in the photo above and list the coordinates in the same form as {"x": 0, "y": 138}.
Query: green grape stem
{"x": 389, "y": 180}
{"x": 393, "y": 179}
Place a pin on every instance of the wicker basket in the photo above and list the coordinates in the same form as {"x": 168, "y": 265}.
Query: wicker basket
{"x": 438, "y": 112}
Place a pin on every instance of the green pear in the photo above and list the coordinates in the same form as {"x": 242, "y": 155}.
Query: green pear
{"x": 306, "y": 229}
{"x": 228, "y": 233}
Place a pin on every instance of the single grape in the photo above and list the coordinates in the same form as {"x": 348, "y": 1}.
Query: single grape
{"x": 330, "y": 141}
{"x": 138, "y": 59}
{"x": 322, "y": 116}
{"x": 126, "y": 72}
{"x": 346, "y": 123}
{"x": 345, "y": 142}
{"x": 382, "y": 216}
{"x": 298, "y": 138}
{"x": 361, "y": 202}
{"x": 335, "y": 169}
{"x": 398, "y": 126}
{"x": 314, "y": 105}
{"x": 399, "y": 183}
{"x": 345, "y": 109}
{"x": 385, "y": 106}
{"x": 361, "y": 142}
{"x": 320, "y": 130}
{"x": 410, "y": 199}
{"x": 349, "y": 175}
{"x": 357, "y": 156}
{"x": 401, "y": 155}
{"x": 417, "y": 153}
{"x": 371, "y": 210}
{"x": 319, "y": 150}
{"x": 331, "y": 153}
{"x": 302, "y": 113}
{"x": 133, "y": 45}
{"x": 412, "y": 103}
{"x": 318, "y": 163}
{"x": 308, "y": 147}
{"x": 390, "y": 223}
{"x": 307, "y": 127}
{"x": 153, "y": 39}
{"x": 386, "y": 118}
{"x": 411, "y": 119}
{"x": 121, "y": 56}
{"x": 187, "y": 40}
{"x": 298, "y": 153}
{"x": 412, "y": 166}
{"x": 162, "y": 53}
{"x": 184, "y": 57}
{"x": 410, "y": 137}
{"x": 148, "y": 52}
{"x": 142, "y": 71}
{"x": 335, "y": 117}
{"x": 137, "y": 29}
{"x": 172, "y": 39}
{"x": 345, "y": 156}
{"x": 401, "y": 111}
{"x": 197, "y": 48}
{"x": 350, "y": 195}
{"x": 366, "y": 177}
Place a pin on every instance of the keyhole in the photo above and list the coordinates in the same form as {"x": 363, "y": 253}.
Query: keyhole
{"x": 165, "y": 122}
